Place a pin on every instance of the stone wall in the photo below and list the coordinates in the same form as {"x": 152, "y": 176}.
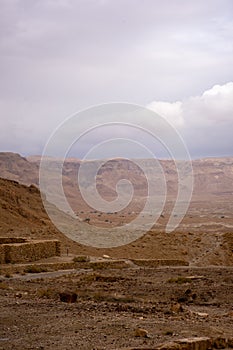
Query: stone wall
{"x": 159, "y": 262}
{"x": 7, "y": 240}
{"x": 196, "y": 343}
{"x": 2, "y": 254}
{"x": 28, "y": 251}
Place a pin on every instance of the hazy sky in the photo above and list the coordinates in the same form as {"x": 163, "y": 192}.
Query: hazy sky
{"x": 60, "y": 56}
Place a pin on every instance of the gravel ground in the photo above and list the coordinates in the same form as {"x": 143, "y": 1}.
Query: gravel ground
{"x": 169, "y": 303}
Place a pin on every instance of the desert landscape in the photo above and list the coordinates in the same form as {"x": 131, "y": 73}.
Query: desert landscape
{"x": 168, "y": 291}
{"x": 116, "y": 174}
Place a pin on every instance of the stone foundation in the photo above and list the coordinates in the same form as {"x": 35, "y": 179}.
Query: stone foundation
{"x": 202, "y": 343}
{"x": 23, "y": 251}
{"x": 9, "y": 240}
{"x": 159, "y": 262}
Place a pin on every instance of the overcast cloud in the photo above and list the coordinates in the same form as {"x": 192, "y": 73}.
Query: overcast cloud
{"x": 205, "y": 122}
{"x": 60, "y": 56}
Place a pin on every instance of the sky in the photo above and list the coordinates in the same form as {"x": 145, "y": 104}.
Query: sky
{"x": 58, "y": 57}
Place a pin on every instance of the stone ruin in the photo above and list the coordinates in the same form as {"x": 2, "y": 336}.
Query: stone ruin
{"x": 22, "y": 250}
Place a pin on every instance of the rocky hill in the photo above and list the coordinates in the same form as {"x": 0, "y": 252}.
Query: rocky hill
{"x": 15, "y": 167}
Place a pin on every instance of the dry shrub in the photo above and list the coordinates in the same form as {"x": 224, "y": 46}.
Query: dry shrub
{"x": 35, "y": 269}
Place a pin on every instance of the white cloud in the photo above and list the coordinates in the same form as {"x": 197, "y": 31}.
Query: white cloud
{"x": 204, "y": 121}
{"x": 172, "y": 112}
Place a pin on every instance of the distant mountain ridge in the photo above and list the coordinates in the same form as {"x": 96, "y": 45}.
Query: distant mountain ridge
{"x": 212, "y": 176}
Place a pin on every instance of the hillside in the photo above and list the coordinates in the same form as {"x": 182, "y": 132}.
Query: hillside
{"x": 22, "y": 215}
{"x": 15, "y": 167}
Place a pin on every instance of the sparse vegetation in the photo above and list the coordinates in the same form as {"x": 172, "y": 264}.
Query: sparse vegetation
{"x": 169, "y": 332}
{"x": 88, "y": 279}
{"x": 107, "y": 279}
{"x": 81, "y": 258}
{"x": 35, "y": 269}
{"x": 3, "y": 285}
{"x": 102, "y": 296}
{"x": 101, "y": 265}
{"x": 8, "y": 275}
{"x": 48, "y": 293}
{"x": 179, "y": 280}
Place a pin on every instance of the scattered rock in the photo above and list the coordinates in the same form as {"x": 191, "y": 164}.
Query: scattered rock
{"x": 169, "y": 346}
{"x": 192, "y": 278}
{"x": 67, "y": 297}
{"x": 106, "y": 256}
{"x": 140, "y": 332}
{"x": 176, "y": 308}
{"x": 18, "y": 295}
{"x": 197, "y": 343}
{"x": 202, "y": 343}
{"x": 202, "y": 314}
{"x": 220, "y": 343}
{"x": 230, "y": 343}
{"x": 188, "y": 297}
